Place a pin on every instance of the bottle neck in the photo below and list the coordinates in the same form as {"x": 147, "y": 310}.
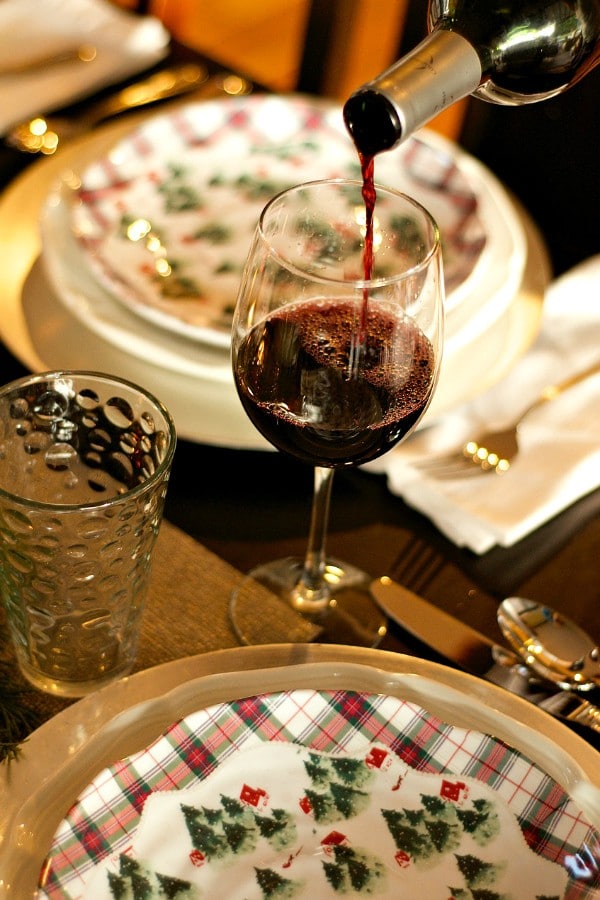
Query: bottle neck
{"x": 442, "y": 69}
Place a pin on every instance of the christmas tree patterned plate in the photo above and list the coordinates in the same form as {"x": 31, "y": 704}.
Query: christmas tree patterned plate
{"x": 165, "y": 219}
{"x": 313, "y": 793}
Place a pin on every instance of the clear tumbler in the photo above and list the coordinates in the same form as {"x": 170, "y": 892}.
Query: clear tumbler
{"x": 84, "y": 465}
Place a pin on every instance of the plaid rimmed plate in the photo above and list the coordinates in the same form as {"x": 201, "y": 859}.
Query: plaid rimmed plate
{"x": 463, "y": 768}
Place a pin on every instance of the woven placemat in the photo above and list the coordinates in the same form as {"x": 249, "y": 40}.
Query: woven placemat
{"x": 186, "y": 613}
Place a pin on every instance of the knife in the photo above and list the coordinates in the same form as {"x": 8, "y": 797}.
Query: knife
{"x": 475, "y": 653}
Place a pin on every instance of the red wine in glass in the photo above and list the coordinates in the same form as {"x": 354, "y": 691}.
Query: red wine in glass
{"x": 295, "y": 378}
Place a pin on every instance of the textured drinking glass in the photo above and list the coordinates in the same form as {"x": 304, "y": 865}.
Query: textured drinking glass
{"x": 84, "y": 465}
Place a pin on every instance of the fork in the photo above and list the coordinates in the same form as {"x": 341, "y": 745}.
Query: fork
{"x": 494, "y": 451}
{"x": 43, "y": 135}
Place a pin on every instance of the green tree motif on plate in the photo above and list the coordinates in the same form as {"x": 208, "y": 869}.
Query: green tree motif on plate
{"x": 172, "y": 284}
{"x": 354, "y": 871}
{"x": 274, "y": 885}
{"x": 426, "y": 837}
{"x": 480, "y": 821}
{"x": 276, "y": 828}
{"x": 407, "y": 231}
{"x": 478, "y": 873}
{"x": 289, "y": 151}
{"x": 345, "y": 769}
{"x": 466, "y": 894}
{"x": 325, "y": 241}
{"x": 338, "y": 784}
{"x": 235, "y": 828}
{"x": 176, "y": 286}
{"x": 214, "y": 233}
{"x": 179, "y": 195}
{"x": 437, "y": 827}
{"x": 134, "y": 881}
{"x": 248, "y": 186}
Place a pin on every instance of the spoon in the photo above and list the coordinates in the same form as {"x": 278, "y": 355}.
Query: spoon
{"x": 551, "y": 645}
{"x": 44, "y": 134}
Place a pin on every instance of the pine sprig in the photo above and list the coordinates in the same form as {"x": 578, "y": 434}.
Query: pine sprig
{"x": 17, "y": 720}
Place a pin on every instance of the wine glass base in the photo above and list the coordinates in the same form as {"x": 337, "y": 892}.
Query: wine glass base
{"x": 262, "y": 616}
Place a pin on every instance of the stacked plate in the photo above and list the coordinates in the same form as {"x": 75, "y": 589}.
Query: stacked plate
{"x": 145, "y": 246}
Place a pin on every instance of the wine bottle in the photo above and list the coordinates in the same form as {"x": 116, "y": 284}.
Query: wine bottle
{"x": 508, "y": 52}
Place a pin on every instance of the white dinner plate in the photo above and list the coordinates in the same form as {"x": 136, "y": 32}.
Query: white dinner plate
{"x": 166, "y": 217}
{"x": 85, "y": 328}
{"x": 65, "y": 754}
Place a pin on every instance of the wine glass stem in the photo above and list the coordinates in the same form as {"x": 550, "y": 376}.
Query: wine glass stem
{"x": 311, "y": 595}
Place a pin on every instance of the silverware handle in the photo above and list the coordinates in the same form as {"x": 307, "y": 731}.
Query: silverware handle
{"x": 170, "y": 82}
{"x": 572, "y": 707}
{"x": 85, "y": 53}
{"x": 553, "y": 390}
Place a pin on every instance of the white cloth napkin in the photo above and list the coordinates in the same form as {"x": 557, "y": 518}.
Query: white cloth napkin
{"x": 34, "y": 29}
{"x": 559, "y": 458}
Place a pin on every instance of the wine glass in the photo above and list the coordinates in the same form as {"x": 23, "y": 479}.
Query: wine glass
{"x": 334, "y": 368}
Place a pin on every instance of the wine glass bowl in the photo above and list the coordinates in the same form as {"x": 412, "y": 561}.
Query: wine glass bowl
{"x": 335, "y": 359}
